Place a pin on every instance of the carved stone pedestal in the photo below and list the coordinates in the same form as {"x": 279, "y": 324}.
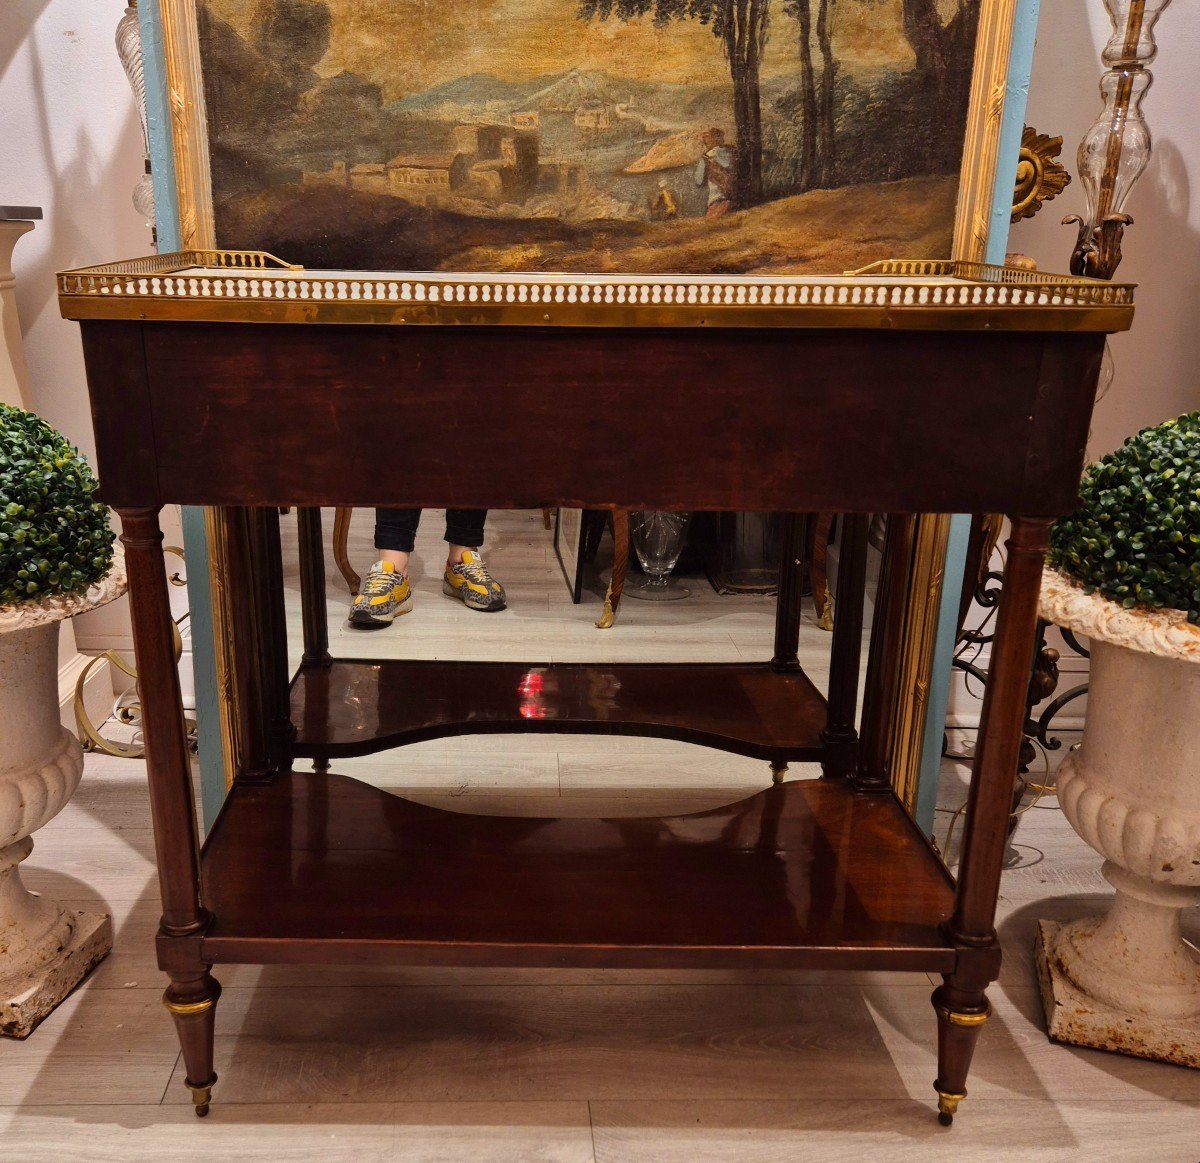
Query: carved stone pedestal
{"x": 86, "y": 938}
{"x": 1075, "y": 1017}
{"x": 1128, "y": 981}
{"x": 45, "y": 949}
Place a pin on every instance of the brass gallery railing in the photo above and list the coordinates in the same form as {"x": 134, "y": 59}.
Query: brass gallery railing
{"x": 262, "y": 281}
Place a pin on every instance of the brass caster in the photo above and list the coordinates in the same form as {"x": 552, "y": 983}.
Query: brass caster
{"x": 202, "y": 1096}
{"x": 778, "y": 771}
{"x": 825, "y": 621}
{"x": 948, "y": 1106}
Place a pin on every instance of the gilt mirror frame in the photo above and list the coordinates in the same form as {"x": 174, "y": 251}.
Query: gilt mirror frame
{"x": 171, "y": 42}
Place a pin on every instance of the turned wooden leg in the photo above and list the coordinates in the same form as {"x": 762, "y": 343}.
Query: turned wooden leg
{"x": 192, "y": 993}
{"x": 793, "y": 535}
{"x": 341, "y": 548}
{"x": 192, "y": 1003}
{"x": 960, "y": 1016}
{"x": 961, "y": 1005}
{"x": 840, "y": 734}
{"x": 312, "y": 588}
{"x": 616, "y": 587}
{"x": 818, "y": 577}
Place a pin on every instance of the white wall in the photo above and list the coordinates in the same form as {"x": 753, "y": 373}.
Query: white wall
{"x": 70, "y": 144}
{"x": 1158, "y": 362}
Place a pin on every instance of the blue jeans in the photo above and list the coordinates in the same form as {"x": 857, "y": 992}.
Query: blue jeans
{"x": 396, "y": 529}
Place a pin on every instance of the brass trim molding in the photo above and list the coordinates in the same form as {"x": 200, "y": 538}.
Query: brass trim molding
{"x": 189, "y": 122}
{"x": 189, "y": 1009}
{"x": 985, "y": 119}
{"x": 254, "y": 287}
{"x": 948, "y": 1103}
{"x": 216, "y": 537}
{"x": 969, "y": 1021}
{"x": 922, "y": 611}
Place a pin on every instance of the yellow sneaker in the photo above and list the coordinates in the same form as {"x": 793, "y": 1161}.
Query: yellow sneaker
{"x": 383, "y": 596}
{"x": 471, "y": 584}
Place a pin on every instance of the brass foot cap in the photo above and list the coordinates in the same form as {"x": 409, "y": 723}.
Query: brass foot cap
{"x": 202, "y": 1096}
{"x": 948, "y": 1106}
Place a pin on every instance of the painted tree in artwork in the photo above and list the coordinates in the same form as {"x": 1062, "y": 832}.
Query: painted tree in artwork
{"x": 943, "y": 44}
{"x": 741, "y": 27}
{"x": 806, "y": 107}
{"x": 816, "y": 105}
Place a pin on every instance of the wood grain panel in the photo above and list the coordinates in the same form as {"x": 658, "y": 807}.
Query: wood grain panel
{"x": 805, "y": 874}
{"x": 812, "y": 420}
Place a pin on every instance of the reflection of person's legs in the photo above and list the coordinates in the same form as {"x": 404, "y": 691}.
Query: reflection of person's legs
{"x": 395, "y": 534}
{"x": 385, "y": 592}
{"x": 464, "y": 530}
{"x": 467, "y": 576}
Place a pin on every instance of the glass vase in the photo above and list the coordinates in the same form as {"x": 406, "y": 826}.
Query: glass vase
{"x": 658, "y": 542}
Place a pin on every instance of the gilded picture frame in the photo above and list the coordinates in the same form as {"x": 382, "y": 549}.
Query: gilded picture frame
{"x": 924, "y": 537}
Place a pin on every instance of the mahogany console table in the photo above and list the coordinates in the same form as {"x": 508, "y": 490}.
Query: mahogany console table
{"x": 229, "y": 380}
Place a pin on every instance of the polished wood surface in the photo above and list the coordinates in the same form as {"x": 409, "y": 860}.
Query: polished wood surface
{"x": 354, "y": 707}
{"x": 806, "y": 873}
{"x": 308, "y": 867}
{"x": 760, "y": 421}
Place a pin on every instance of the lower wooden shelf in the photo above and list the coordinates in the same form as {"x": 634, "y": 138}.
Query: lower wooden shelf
{"x": 353, "y": 707}
{"x": 315, "y": 867}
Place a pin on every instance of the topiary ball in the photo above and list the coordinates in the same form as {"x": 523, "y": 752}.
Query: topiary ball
{"x": 1135, "y": 537}
{"x": 54, "y": 536}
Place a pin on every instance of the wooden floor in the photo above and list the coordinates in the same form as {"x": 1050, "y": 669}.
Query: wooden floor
{"x": 372, "y": 1064}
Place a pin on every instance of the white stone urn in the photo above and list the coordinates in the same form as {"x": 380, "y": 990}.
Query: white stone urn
{"x": 1128, "y": 981}
{"x": 45, "y": 949}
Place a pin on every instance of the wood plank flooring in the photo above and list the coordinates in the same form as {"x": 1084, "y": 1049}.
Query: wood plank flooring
{"x": 364, "y": 1063}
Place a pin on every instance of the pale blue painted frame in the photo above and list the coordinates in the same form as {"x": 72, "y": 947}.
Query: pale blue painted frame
{"x": 195, "y": 542}
{"x": 1016, "y": 97}
{"x": 212, "y": 766}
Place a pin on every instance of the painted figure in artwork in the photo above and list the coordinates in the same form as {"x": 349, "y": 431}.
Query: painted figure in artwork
{"x": 702, "y": 136}
{"x": 714, "y": 171}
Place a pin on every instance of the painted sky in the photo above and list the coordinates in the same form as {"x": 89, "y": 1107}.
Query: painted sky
{"x": 410, "y": 45}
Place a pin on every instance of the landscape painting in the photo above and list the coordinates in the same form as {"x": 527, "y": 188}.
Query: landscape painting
{"x": 632, "y": 136}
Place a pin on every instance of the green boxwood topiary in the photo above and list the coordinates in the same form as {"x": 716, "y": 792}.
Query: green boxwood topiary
{"x": 54, "y": 536}
{"x": 1135, "y": 537}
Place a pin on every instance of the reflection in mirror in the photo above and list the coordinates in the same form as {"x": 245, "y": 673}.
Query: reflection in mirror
{"x": 517, "y": 772}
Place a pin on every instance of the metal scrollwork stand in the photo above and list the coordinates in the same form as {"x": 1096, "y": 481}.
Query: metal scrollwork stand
{"x": 128, "y": 707}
